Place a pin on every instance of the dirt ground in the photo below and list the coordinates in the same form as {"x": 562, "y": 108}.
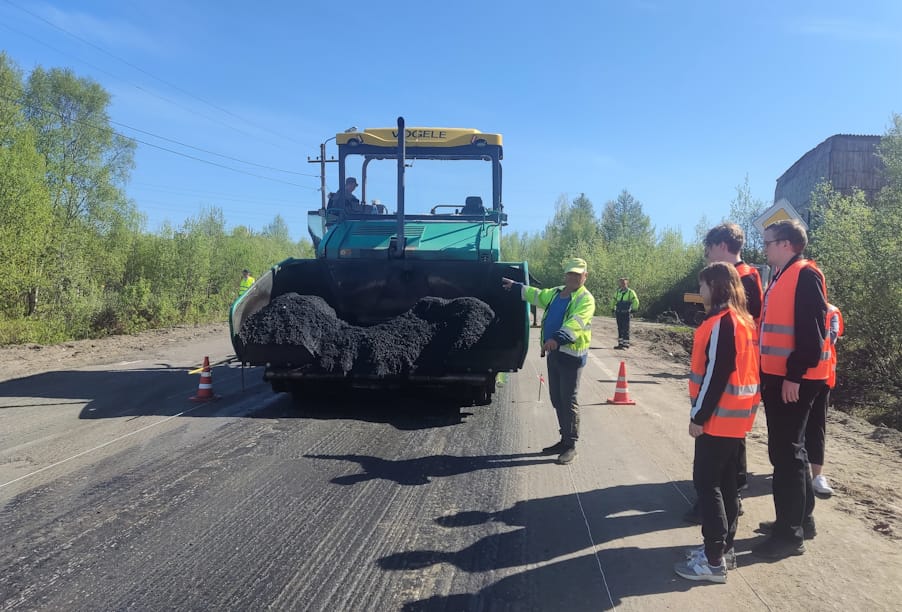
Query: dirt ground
{"x": 863, "y": 461}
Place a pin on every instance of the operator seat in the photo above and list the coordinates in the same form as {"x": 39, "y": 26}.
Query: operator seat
{"x": 473, "y": 206}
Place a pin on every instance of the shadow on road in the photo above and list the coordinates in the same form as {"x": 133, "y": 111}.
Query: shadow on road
{"x": 553, "y": 527}
{"x": 420, "y": 471}
{"x": 164, "y": 390}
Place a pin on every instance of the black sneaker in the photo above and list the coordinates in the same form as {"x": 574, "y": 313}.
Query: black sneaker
{"x": 567, "y": 456}
{"x": 808, "y": 528}
{"x": 555, "y": 449}
{"x": 778, "y": 548}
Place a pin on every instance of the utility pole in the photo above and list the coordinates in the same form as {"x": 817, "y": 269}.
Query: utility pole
{"x": 322, "y": 161}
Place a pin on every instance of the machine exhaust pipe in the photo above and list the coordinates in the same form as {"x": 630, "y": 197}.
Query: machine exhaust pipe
{"x": 397, "y": 244}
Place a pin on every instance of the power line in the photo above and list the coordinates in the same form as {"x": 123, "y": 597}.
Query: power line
{"x": 162, "y": 148}
{"x": 212, "y": 152}
{"x": 139, "y": 69}
{"x": 136, "y": 86}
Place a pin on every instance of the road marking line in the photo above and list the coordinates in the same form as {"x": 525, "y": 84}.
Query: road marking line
{"x": 91, "y": 450}
{"x": 582, "y": 511}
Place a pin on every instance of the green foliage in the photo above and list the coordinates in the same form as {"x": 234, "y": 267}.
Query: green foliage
{"x": 634, "y": 252}
{"x": 623, "y": 219}
{"x": 858, "y": 245}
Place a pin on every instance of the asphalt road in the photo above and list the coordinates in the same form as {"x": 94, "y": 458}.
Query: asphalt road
{"x": 118, "y": 493}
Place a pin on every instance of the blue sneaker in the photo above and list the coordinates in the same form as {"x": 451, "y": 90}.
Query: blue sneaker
{"x": 697, "y": 568}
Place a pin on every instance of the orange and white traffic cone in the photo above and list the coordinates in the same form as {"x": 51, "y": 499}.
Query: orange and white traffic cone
{"x": 205, "y": 386}
{"x": 621, "y": 390}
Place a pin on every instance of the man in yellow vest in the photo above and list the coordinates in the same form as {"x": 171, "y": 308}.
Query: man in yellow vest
{"x": 246, "y": 281}
{"x": 624, "y": 303}
{"x": 566, "y": 335}
{"x": 795, "y": 365}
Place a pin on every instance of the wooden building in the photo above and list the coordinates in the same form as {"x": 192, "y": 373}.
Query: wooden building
{"x": 848, "y": 161}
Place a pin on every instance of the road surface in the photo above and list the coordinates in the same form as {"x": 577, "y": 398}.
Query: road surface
{"x": 119, "y": 493}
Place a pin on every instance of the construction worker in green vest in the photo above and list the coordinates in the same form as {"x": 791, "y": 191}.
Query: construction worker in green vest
{"x": 624, "y": 303}
{"x": 246, "y": 281}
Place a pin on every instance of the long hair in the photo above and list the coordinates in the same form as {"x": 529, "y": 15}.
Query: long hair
{"x": 726, "y": 289}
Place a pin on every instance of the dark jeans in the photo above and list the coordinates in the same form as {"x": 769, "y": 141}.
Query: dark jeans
{"x": 563, "y": 384}
{"x": 714, "y": 477}
{"x": 786, "y": 423}
{"x": 623, "y": 327}
{"x": 816, "y": 430}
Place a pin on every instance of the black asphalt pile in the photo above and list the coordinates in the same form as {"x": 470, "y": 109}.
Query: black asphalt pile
{"x": 423, "y": 335}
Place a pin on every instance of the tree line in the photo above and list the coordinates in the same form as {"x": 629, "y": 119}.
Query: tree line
{"x": 77, "y": 261}
{"x": 75, "y": 258}
{"x": 857, "y": 243}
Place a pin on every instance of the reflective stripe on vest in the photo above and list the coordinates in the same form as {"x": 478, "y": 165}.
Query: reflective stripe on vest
{"x": 737, "y": 406}
{"x": 778, "y": 324}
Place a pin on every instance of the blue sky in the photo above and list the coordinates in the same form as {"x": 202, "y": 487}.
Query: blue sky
{"x": 676, "y": 102}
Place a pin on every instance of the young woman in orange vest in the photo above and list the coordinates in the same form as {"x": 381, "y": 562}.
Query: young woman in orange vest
{"x": 723, "y": 390}
{"x": 795, "y": 365}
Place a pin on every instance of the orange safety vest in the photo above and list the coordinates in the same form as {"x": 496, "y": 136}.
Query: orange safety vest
{"x": 778, "y": 324}
{"x": 735, "y": 412}
{"x": 746, "y": 270}
{"x": 833, "y": 313}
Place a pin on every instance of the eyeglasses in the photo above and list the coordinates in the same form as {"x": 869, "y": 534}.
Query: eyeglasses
{"x": 770, "y": 242}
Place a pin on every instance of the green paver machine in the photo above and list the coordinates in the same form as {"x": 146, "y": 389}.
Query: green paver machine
{"x": 371, "y": 266}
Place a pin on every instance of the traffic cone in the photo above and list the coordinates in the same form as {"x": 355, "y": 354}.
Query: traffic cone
{"x": 621, "y": 391}
{"x": 205, "y": 386}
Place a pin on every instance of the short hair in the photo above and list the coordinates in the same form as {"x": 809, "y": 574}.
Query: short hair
{"x": 729, "y": 233}
{"x": 791, "y": 230}
{"x": 245, "y": 271}
{"x": 726, "y": 288}
{"x": 350, "y": 180}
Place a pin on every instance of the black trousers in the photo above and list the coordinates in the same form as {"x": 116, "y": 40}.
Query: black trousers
{"x": 816, "y": 430}
{"x": 623, "y": 327}
{"x": 563, "y": 383}
{"x": 714, "y": 477}
{"x": 786, "y": 423}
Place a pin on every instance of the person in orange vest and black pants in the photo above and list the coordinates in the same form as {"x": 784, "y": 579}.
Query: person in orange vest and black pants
{"x": 794, "y": 369}
{"x": 724, "y": 243}
{"x": 724, "y": 392}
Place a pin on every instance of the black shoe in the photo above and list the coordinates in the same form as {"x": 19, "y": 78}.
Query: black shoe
{"x": 555, "y": 449}
{"x": 619, "y": 347}
{"x": 693, "y": 516}
{"x": 567, "y": 456}
{"x": 778, "y": 548}
{"x": 808, "y": 528}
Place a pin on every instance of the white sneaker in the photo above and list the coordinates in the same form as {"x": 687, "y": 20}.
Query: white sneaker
{"x": 697, "y": 568}
{"x": 821, "y": 486}
{"x": 729, "y": 556}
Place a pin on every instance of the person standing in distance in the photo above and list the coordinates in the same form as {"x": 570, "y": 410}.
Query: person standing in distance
{"x": 565, "y": 335}
{"x": 795, "y": 365}
{"x": 624, "y": 303}
{"x": 246, "y": 281}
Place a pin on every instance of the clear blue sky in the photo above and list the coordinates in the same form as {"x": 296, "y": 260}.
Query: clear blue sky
{"x": 674, "y": 101}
